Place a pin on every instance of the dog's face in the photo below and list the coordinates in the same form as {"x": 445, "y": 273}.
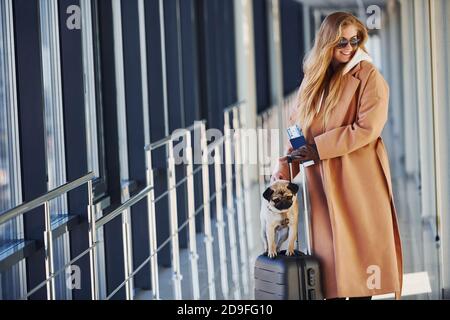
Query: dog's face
{"x": 281, "y": 195}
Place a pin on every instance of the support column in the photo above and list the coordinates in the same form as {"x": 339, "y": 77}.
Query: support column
{"x": 439, "y": 47}
{"x": 246, "y": 83}
{"x": 276, "y": 64}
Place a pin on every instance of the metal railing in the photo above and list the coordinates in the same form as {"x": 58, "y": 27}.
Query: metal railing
{"x": 44, "y": 200}
{"x": 234, "y": 208}
{"x": 266, "y": 121}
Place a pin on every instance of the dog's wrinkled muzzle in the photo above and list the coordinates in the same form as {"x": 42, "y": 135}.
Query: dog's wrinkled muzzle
{"x": 283, "y": 205}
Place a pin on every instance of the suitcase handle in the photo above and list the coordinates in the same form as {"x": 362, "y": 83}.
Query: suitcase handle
{"x": 306, "y": 204}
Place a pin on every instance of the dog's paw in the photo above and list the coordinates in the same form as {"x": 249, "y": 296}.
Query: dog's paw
{"x": 272, "y": 254}
{"x": 290, "y": 252}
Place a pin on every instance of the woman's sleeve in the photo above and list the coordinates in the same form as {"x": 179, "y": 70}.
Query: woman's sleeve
{"x": 370, "y": 121}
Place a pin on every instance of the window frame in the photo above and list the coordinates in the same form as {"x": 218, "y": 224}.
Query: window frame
{"x": 93, "y": 99}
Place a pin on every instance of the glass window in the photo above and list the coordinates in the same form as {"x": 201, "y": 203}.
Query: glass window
{"x": 9, "y": 156}
{"x": 93, "y": 95}
{"x": 94, "y": 116}
{"x": 374, "y": 47}
{"x": 54, "y": 131}
{"x": 53, "y": 105}
{"x": 89, "y": 85}
{"x": 10, "y": 188}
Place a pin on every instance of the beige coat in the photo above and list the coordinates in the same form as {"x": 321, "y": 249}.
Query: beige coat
{"x": 354, "y": 223}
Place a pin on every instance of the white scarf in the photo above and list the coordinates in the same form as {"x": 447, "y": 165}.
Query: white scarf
{"x": 360, "y": 55}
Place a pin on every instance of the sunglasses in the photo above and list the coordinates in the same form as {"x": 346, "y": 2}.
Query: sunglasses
{"x": 343, "y": 42}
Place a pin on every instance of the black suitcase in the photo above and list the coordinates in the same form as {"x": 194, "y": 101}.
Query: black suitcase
{"x": 295, "y": 277}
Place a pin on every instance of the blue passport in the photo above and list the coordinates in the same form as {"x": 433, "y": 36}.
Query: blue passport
{"x": 298, "y": 140}
{"x": 296, "y": 137}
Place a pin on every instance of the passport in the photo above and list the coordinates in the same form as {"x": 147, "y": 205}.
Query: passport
{"x": 298, "y": 140}
{"x": 296, "y": 137}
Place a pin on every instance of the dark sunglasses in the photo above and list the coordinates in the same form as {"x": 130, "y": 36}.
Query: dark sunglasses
{"x": 343, "y": 42}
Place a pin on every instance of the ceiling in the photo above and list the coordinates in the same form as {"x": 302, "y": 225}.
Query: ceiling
{"x": 343, "y": 3}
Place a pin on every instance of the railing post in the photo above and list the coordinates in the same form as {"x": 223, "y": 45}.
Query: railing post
{"x": 271, "y": 123}
{"x": 177, "y": 277}
{"x": 92, "y": 243}
{"x": 207, "y": 214}
{"x": 193, "y": 255}
{"x": 49, "y": 262}
{"x": 127, "y": 246}
{"x": 268, "y": 148}
{"x": 307, "y": 211}
{"x": 152, "y": 227}
{"x": 244, "y": 148}
{"x": 261, "y": 155}
{"x": 220, "y": 223}
{"x": 230, "y": 207}
{"x": 240, "y": 205}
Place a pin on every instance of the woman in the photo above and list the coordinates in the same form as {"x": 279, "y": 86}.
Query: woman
{"x": 342, "y": 107}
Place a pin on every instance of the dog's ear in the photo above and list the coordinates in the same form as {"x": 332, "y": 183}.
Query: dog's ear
{"x": 293, "y": 187}
{"x": 268, "y": 193}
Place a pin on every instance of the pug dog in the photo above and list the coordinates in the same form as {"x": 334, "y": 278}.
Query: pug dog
{"x": 279, "y": 217}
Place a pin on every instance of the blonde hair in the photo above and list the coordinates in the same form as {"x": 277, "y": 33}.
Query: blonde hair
{"x": 318, "y": 76}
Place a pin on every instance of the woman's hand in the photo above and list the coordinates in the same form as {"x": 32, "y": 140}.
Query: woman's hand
{"x": 279, "y": 175}
{"x": 306, "y": 153}
{"x": 282, "y": 170}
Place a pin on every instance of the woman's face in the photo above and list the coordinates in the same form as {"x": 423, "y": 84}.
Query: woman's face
{"x": 343, "y": 55}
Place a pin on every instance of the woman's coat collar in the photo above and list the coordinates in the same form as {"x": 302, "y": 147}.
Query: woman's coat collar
{"x": 351, "y": 83}
{"x": 360, "y": 55}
